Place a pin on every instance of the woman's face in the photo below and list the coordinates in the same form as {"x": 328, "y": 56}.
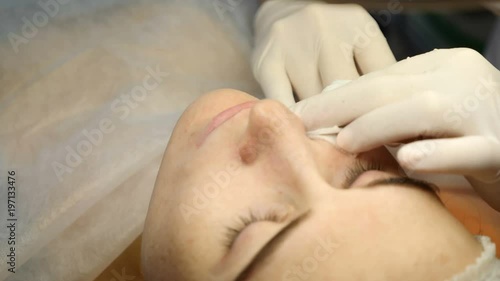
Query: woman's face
{"x": 243, "y": 193}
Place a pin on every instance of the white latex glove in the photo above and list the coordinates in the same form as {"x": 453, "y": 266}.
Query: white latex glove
{"x": 307, "y": 45}
{"x": 445, "y": 105}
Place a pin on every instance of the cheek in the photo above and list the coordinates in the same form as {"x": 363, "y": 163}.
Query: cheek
{"x": 353, "y": 217}
{"x": 330, "y": 161}
{"x": 333, "y": 164}
{"x": 359, "y": 217}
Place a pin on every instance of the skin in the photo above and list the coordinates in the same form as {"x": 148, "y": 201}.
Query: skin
{"x": 262, "y": 160}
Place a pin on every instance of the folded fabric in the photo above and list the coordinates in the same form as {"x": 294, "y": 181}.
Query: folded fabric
{"x": 486, "y": 266}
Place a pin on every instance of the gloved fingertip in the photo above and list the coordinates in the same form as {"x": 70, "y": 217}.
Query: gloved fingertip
{"x": 345, "y": 141}
{"x": 345, "y": 151}
{"x": 335, "y": 85}
{"x": 411, "y": 157}
{"x": 289, "y": 104}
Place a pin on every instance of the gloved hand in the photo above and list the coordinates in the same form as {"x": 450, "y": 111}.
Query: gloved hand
{"x": 445, "y": 105}
{"x": 307, "y": 45}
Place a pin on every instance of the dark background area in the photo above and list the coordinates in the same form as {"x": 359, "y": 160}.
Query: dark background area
{"x": 417, "y": 32}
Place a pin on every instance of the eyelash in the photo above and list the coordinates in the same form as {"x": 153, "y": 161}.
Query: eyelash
{"x": 245, "y": 220}
{"x": 359, "y": 168}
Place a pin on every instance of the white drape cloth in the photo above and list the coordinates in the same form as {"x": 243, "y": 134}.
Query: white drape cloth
{"x": 90, "y": 92}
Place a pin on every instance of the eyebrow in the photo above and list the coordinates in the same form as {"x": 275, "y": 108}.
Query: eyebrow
{"x": 270, "y": 246}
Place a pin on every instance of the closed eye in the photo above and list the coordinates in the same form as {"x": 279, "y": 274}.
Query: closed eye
{"x": 243, "y": 221}
{"x": 356, "y": 170}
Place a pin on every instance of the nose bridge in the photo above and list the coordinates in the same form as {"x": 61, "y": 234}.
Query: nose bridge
{"x": 272, "y": 130}
{"x": 277, "y": 136}
{"x": 269, "y": 120}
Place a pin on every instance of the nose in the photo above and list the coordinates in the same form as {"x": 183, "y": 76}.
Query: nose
{"x": 276, "y": 139}
{"x": 269, "y": 120}
{"x": 273, "y": 131}
{"x": 277, "y": 136}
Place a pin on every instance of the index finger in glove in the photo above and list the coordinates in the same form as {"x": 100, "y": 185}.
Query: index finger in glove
{"x": 276, "y": 84}
{"x": 394, "y": 83}
{"x": 343, "y": 105}
{"x": 475, "y": 156}
{"x": 420, "y": 116}
{"x": 377, "y": 55}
